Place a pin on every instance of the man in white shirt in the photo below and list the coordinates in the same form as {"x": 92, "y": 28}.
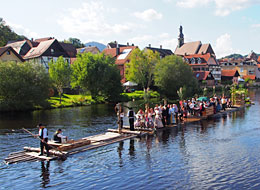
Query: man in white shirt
{"x": 58, "y": 137}
{"x": 43, "y": 134}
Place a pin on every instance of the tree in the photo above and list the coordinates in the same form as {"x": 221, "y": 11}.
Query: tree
{"x": 6, "y": 34}
{"x": 75, "y": 42}
{"x": 171, "y": 73}
{"x": 23, "y": 86}
{"x": 141, "y": 67}
{"x": 97, "y": 74}
{"x": 60, "y": 73}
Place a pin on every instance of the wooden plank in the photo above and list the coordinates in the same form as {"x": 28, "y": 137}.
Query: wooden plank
{"x": 43, "y": 157}
{"x": 125, "y": 131}
{"x": 104, "y": 137}
{"x": 139, "y": 128}
{"x": 52, "y": 152}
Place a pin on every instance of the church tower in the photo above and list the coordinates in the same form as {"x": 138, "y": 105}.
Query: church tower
{"x": 181, "y": 38}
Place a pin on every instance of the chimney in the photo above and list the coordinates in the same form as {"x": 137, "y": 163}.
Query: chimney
{"x": 127, "y": 44}
{"x": 117, "y": 49}
{"x": 149, "y": 45}
{"x": 160, "y": 46}
{"x": 133, "y": 45}
{"x": 32, "y": 39}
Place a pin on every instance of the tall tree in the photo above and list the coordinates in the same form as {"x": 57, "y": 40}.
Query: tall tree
{"x": 60, "y": 73}
{"x": 23, "y": 86}
{"x": 97, "y": 74}
{"x": 171, "y": 74}
{"x": 6, "y": 34}
{"x": 141, "y": 67}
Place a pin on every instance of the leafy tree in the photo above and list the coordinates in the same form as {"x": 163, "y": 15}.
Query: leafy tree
{"x": 75, "y": 42}
{"x": 23, "y": 86}
{"x": 141, "y": 67}
{"x": 171, "y": 73}
{"x": 97, "y": 74}
{"x": 60, "y": 73}
{"x": 6, "y": 34}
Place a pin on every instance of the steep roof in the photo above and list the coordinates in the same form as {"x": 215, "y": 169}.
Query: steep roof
{"x": 91, "y": 49}
{"x": 43, "y": 39}
{"x": 229, "y": 73}
{"x": 39, "y": 50}
{"x": 206, "y": 48}
{"x": 16, "y": 45}
{"x": 203, "y": 75}
{"x": 188, "y": 48}
{"x": 161, "y": 51}
{"x": 124, "y": 53}
{"x": 5, "y": 49}
{"x": 69, "y": 48}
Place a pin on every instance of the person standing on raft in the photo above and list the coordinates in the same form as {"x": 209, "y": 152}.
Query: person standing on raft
{"x": 43, "y": 134}
{"x": 131, "y": 116}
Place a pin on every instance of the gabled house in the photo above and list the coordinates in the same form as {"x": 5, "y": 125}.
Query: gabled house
{"x": 91, "y": 49}
{"x": 205, "y": 76}
{"x": 45, "y": 52}
{"x": 22, "y": 47}
{"x": 163, "y": 52}
{"x": 204, "y": 62}
{"x": 230, "y": 75}
{"x": 121, "y": 55}
{"x": 191, "y": 48}
{"x": 9, "y": 54}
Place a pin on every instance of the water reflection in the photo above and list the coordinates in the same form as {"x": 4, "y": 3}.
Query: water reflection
{"x": 45, "y": 174}
{"x": 119, "y": 150}
{"x": 132, "y": 148}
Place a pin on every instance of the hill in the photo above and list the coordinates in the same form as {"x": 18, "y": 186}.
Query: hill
{"x": 234, "y": 56}
{"x": 100, "y": 46}
{"x": 6, "y": 34}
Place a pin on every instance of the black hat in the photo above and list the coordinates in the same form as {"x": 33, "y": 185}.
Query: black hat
{"x": 39, "y": 125}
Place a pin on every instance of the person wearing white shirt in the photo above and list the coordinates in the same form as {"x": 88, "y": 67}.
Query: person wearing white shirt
{"x": 58, "y": 137}
{"x": 43, "y": 134}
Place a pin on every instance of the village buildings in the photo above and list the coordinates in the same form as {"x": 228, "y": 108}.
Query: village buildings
{"x": 9, "y": 54}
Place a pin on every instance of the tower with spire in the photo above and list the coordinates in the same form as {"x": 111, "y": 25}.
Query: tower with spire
{"x": 181, "y": 38}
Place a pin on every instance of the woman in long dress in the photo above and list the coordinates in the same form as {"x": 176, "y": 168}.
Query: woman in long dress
{"x": 172, "y": 114}
{"x": 158, "y": 119}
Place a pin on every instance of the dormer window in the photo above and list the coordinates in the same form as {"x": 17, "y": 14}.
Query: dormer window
{"x": 199, "y": 60}
{"x": 193, "y": 61}
{"x": 186, "y": 60}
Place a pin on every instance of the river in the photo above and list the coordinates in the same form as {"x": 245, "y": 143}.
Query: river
{"x": 222, "y": 153}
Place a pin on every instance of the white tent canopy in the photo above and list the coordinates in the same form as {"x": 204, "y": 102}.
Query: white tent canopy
{"x": 129, "y": 83}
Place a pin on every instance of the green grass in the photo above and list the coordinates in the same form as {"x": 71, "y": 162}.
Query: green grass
{"x": 138, "y": 95}
{"x": 71, "y": 101}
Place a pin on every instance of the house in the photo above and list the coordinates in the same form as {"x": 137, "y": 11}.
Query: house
{"x": 251, "y": 77}
{"x": 257, "y": 73}
{"x": 121, "y": 55}
{"x": 9, "y": 54}
{"x": 245, "y": 66}
{"x": 22, "y": 47}
{"x": 204, "y": 62}
{"x": 115, "y": 44}
{"x": 205, "y": 76}
{"x": 230, "y": 75}
{"x": 45, "y": 52}
{"x": 163, "y": 52}
{"x": 91, "y": 49}
{"x": 191, "y": 48}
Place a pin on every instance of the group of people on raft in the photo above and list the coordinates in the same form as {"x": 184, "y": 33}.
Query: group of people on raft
{"x": 161, "y": 116}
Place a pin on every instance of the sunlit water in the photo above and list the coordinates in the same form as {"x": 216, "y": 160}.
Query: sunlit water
{"x": 217, "y": 154}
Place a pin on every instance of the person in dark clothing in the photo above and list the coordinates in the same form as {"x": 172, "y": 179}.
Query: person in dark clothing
{"x": 131, "y": 115}
{"x": 43, "y": 134}
{"x": 58, "y": 137}
{"x": 164, "y": 116}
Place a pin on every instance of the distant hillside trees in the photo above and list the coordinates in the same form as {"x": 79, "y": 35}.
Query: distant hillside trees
{"x": 23, "y": 86}
{"x": 75, "y": 42}
{"x": 6, "y": 34}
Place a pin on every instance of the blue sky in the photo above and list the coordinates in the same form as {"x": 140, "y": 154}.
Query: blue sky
{"x": 229, "y": 26}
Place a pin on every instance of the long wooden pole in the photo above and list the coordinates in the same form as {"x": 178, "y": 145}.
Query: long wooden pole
{"x": 37, "y": 137}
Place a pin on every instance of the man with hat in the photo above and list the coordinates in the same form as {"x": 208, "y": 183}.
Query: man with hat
{"x": 43, "y": 134}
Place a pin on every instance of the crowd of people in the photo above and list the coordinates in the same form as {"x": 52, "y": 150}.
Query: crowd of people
{"x": 161, "y": 116}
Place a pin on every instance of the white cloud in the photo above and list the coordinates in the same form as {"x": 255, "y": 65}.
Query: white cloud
{"x": 148, "y": 15}
{"x": 192, "y": 3}
{"x": 21, "y": 30}
{"x": 90, "y": 19}
{"x": 223, "y": 46}
{"x": 255, "y": 26}
{"x": 223, "y": 7}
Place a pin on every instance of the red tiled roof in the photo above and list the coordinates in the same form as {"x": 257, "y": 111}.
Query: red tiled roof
{"x": 258, "y": 65}
{"x": 201, "y": 75}
{"x": 258, "y": 59}
{"x": 252, "y": 77}
{"x": 43, "y": 39}
{"x": 204, "y": 56}
{"x": 112, "y": 52}
{"x": 228, "y": 73}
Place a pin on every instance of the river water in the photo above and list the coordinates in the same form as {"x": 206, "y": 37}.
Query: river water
{"x": 222, "y": 153}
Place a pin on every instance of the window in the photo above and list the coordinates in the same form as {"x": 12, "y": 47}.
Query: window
{"x": 52, "y": 51}
{"x": 8, "y": 52}
{"x": 199, "y": 60}
{"x": 241, "y": 70}
{"x": 193, "y": 60}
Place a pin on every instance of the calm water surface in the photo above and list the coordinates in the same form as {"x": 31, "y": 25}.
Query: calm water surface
{"x": 218, "y": 154}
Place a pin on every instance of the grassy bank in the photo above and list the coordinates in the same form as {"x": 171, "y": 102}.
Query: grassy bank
{"x": 138, "y": 95}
